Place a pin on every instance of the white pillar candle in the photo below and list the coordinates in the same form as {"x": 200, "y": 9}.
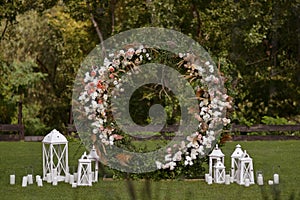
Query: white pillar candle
{"x": 49, "y": 178}
{"x": 12, "y": 179}
{"x": 276, "y": 179}
{"x": 206, "y": 177}
{"x": 247, "y": 182}
{"x": 75, "y": 177}
{"x": 54, "y": 173}
{"x": 30, "y": 179}
{"x": 37, "y": 177}
{"x": 74, "y": 185}
{"x": 24, "y": 181}
{"x": 67, "y": 178}
{"x": 260, "y": 179}
{"x": 209, "y": 180}
{"x": 270, "y": 182}
{"x": 40, "y": 182}
{"x": 54, "y": 182}
{"x": 71, "y": 180}
{"x": 93, "y": 177}
{"x": 231, "y": 179}
{"x": 227, "y": 179}
{"x": 90, "y": 177}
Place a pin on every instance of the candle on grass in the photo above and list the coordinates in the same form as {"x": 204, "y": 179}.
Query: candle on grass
{"x": 30, "y": 179}
{"x": 75, "y": 177}
{"x": 227, "y": 179}
{"x": 276, "y": 179}
{"x": 209, "y": 180}
{"x": 270, "y": 182}
{"x": 206, "y": 177}
{"x": 24, "y": 181}
{"x": 40, "y": 182}
{"x": 54, "y": 182}
{"x": 12, "y": 179}
{"x": 71, "y": 180}
{"x": 48, "y": 177}
{"x": 260, "y": 179}
{"x": 37, "y": 177}
{"x": 247, "y": 182}
{"x": 67, "y": 178}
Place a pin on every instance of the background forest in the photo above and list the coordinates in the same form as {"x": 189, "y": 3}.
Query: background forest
{"x": 255, "y": 44}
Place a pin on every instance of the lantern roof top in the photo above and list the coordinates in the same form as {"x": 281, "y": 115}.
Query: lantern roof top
{"x": 93, "y": 154}
{"x": 238, "y": 152}
{"x": 55, "y": 137}
{"x": 84, "y": 158}
{"x": 219, "y": 164}
{"x": 216, "y": 153}
{"x": 245, "y": 157}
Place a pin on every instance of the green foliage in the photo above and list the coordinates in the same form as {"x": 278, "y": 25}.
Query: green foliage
{"x": 254, "y": 43}
{"x": 275, "y": 121}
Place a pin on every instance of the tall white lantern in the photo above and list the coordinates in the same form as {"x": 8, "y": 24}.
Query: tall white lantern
{"x": 213, "y": 157}
{"x": 55, "y": 156}
{"x": 84, "y": 171}
{"x": 94, "y": 158}
{"x": 235, "y": 163}
{"x": 219, "y": 172}
{"x": 246, "y": 170}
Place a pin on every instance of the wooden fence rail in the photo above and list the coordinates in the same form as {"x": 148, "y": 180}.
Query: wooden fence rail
{"x": 264, "y": 128}
{"x": 14, "y": 127}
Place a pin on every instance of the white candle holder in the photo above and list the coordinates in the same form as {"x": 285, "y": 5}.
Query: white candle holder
{"x": 49, "y": 178}
{"x": 260, "y": 178}
{"x": 276, "y": 178}
{"x": 40, "y": 182}
{"x": 270, "y": 182}
{"x": 75, "y": 177}
{"x": 209, "y": 180}
{"x": 24, "y": 181}
{"x": 12, "y": 179}
{"x": 67, "y": 178}
{"x": 30, "y": 179}
{"x": 227, "y": 179}
{"x": 206, "y": 177}
{"x": 247, "y": 182}
{"x": 54, "y": 182}
{"x": 71, "y": 180}
{"x": 37, "y": 177}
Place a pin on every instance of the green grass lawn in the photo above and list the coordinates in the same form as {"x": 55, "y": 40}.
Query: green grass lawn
{"x": 282, "y": 157}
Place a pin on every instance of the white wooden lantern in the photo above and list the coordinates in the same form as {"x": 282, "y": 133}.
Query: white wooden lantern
{"x": 84, "y": 176}
{"x": 235, "y": 163}
{"x": 55, "y": 156}
{"x": 213, "y": 157}
{"x": 219, "y": 172}
{"x": 246, "y": 170}
{"x": 94, "y": 158}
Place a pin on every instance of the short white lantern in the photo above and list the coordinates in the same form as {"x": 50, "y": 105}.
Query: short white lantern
{"x": 84, "y": 171}
{"x": 219, "y": 172}
{"x": 213, "y": 157}
{"x": 246, "y": 170}
{"x": 55, "y": 156}
{"x": 93, "y": 156}
{"x": 235, "y": 163}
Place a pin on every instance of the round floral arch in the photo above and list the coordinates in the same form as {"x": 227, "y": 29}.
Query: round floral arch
{"x": 101, "y": 82}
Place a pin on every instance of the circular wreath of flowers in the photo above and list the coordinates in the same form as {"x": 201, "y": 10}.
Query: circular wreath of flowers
{"x": 104, "y": 82}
